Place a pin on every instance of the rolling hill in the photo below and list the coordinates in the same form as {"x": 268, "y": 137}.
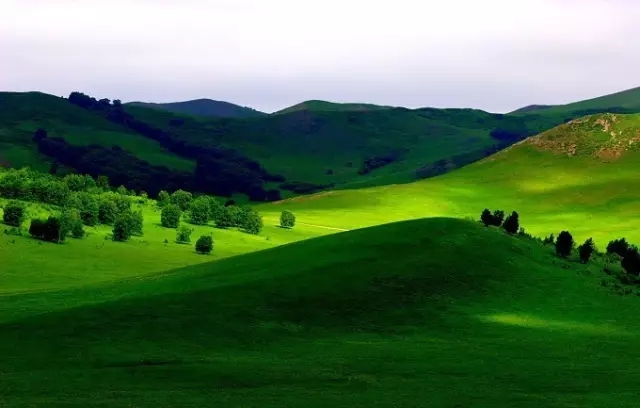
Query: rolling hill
{"x": 416, "y": 307}
{"x": 203, "y": 107}
{"x": 580, "y": 176}
{"x": 326, "y": 106}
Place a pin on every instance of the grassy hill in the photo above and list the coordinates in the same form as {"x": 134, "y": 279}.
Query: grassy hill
{"x": 620, "y": 102}
{"x": 326, "y": 106}
{"x": 203, "y": 107}
{"x": 436, "y": 312}
{"x": 580, "y": 176}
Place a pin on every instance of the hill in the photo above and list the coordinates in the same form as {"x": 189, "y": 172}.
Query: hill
{"x": 530, "y": 108}
{"x": 580, "y": 176}
{"x": 326, "y": 106}
{"x": 620, "y": 102}
{"x": 203, "y": 107}
{"x": 415, "y": 307}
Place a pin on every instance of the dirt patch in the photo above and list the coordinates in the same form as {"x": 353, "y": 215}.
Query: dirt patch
{"x": 609, "y": 154}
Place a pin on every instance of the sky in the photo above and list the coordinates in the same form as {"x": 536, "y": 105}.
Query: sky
{"x": 496, "y": 55}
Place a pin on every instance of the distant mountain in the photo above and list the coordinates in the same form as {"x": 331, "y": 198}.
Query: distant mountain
{"x": 326, "y": 106}
{"x": 620, "y": 102}
{"x": 531, "y": 108}
{"x": 204, "y": 107}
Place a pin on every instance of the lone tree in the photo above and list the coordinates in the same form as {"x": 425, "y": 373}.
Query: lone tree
{"x": 631, "y": 262}
{"x": 14, "y": 213}
{"x": 287, "y": 219}
{"x": 512, "y": 223}
{"x": 204, "y": 244}
{"x": 253, "y": 222}
{"x": 485, "y": 217}
{"x": 586, "y": 250}
{"x": 564, "y": 244}
{"x": 183, "y": 235}
{"x": 170, "y": 216}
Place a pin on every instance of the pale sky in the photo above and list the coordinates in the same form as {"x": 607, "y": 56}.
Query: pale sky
{"x": 496, "y": 55}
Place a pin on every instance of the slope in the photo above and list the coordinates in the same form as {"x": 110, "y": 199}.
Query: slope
{"x": 203, "y": 107}
{"x": 21, "y": 114}
{"x": 435, "y": 312}
{"x": 580, "y": 176}
{"x": 627, "y": 101}
{"x": 326, "y": 106}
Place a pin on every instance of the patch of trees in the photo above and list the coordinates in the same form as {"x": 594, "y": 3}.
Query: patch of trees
{"x": 302, "y": 187}
{"x": 219, "y": 170}
{"x": 372, "y": 163}
{"x": 457, "y": 161}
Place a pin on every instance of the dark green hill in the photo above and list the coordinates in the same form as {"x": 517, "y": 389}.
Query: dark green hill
{"x": 203, "y": 107}
{"x": 326, "y": 106}
{"x": 436, "y": 311}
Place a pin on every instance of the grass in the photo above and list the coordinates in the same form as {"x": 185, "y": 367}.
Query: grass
{"x": 435, "y": 312}
{"x": 588, "y": 195}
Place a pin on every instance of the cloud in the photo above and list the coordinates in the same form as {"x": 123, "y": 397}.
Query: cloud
{"x": 495, "y": 54}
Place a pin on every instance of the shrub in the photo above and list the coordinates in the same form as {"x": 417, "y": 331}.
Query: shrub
{"x": 486, "y": 217}
{"x": 252, "y": 222}
{"x": 199, "y": 211}
{"x": 631, "y": 262}
{"x": 551, "y": 239}
{"x": 72, "y": 223}
{"x": 183, "y": 235}
{"x": 204, "y": 244}
{"x": 123, "y": 226}
{"x": 137, "y": 222}
{"x": 107, "y": 211}
{"x": 619, "y": 246}
{"x": 225, "y": 218}
{"x": 498, "y": 218}
{"x": 14, "y": 214}
{"x": 182, "y": 199}
{"x": 586, "y": 250}
{"x": 89, "y": 209}
{"x": 47, "y": 230}
{"x": 163, "y": 199}
{"x": 287, "y": 219}
{"x": 512, "y": 223}
{"x": 215, "y": 208}
{"x": 564, "y": 244}
{"x": 170, "y": 216}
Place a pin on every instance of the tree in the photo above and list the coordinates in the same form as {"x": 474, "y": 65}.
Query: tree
{"x": 486, "y": 217}
{"x": 89, "y": 209}
{"x": 14, "y": 213}
{"x": 164, "y": 199}
{"x": 103, "y": 183}
{"x": 619, "y": 246}
{"x": 107, "y": 212}
{"x": 170, "y": 216}
{"x": 199, "y": 211}
{"x": 287, "y": 219}
{"x": 204, "y": 244}
{"x": 183, "y": 235}
{"x": 71, "y": 222}
{"x": 498, "y": 217}
{"x": 564, "y": 244}
{"x": 225, "y": 218}
{"x": 137, "y": 222}
{"x": 182, "y": 199}
{"x": 512, "y": 223}
{"x": 237, "y": 214}
{"x": 122, "y": 190}
{"x": 47, "y": 230}
{"x": 252, "y": 222}
{"x": 631, "y": 262}
{"x": 551, "y": 239}
{"x": 123, "y": 227}
{"x": 215, "y": 208}
{"x": 586, "y": 250}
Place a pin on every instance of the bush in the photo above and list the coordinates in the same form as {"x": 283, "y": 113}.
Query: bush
{"x": 619, "y": 246}
{"x": 204, "y": 244}
{"x": 47, "y": 230}
{"x": 551, "y": 239}
{"x": 137, "y": 222}
{"x": 631, "y": 262}
{"x": 486, "y": 217}
{"x": 72, "y": 223}
{"x": 287, "y": 219}
{"x": 586, "y": 250}
{"x": 512, "y": 223}
{"x": 498, "y": 218}
{"x": 163, "y": 199}
{"x": 225, "y": 218}
{"x": 89, "y": 209}
{"x": 14, "y": 214}
{"x": 564, "y": 244}
{"x": 252, "y": 222}
{"x": 182, "y": 199}
{"x": 199, "y": 211}
{"x": 123, "y": 227}
{"x": 170, "y": 216}
{"x": 183, "y": 235}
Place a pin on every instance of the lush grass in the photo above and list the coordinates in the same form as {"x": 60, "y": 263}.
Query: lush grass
{"x": 552, "y": 191}
{"x": 21, "y": 114}
{"x": 435, "y": 312}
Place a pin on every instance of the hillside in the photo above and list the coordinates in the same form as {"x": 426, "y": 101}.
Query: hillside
{"x": 326, "y": 106}
{"x": 531, "y": 108}
{"x": 580, "y": 176}
{"x": 415, "y": 307}
{"x": 203, "y": 107}
{"x": 620, "y": 102}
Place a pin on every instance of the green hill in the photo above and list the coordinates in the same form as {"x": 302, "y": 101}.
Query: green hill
{"x": 326, "y": 106}
{"x": 439, "y": 312}
{"x": 620, "y": 102}
{"x": 203, "y": 107}
{"x": 580, "y": 176}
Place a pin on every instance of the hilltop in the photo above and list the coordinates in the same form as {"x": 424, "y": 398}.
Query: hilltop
{"x": 203, "y": 107}
{"x": 326, "y": 106}
{"x": 418, "y": 307}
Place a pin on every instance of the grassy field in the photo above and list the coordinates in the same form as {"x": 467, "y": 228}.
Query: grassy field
{"x": 436, "y": 313}
{"x": 578, "y": 177}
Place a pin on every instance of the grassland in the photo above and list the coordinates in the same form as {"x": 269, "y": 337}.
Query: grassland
{"x": 581, "y": 176}
{"x": 435, "y": 312}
